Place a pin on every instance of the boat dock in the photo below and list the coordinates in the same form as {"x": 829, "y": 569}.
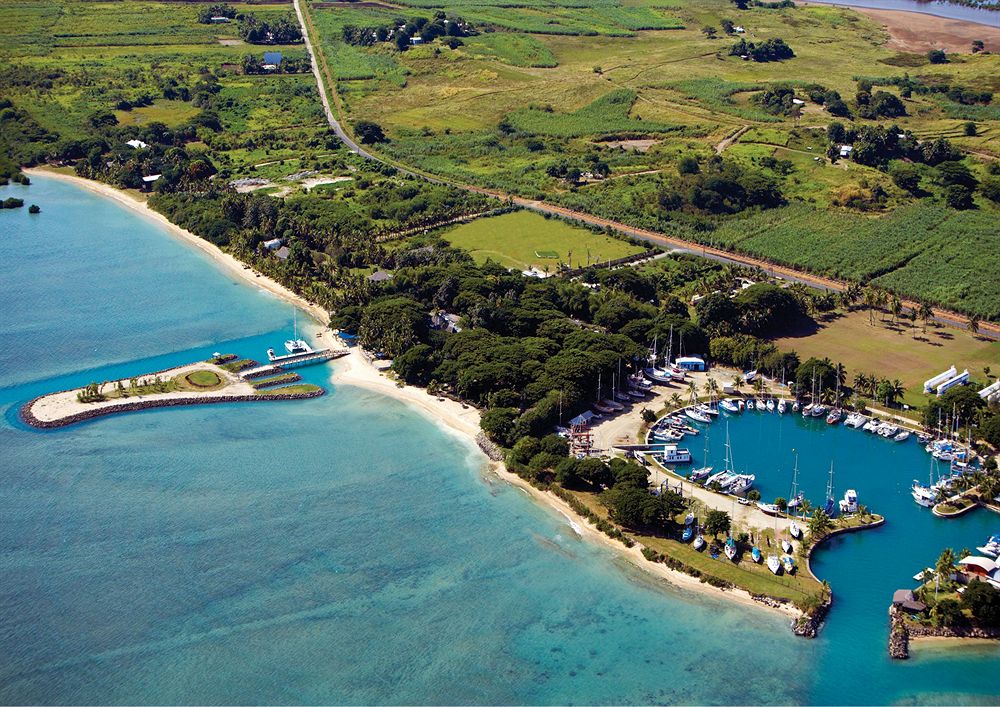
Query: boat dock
{"x": 286, "y": 362}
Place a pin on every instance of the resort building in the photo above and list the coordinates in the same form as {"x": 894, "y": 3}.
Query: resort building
{"x": 982, "y": 567}
{"x": 272, "y": 244}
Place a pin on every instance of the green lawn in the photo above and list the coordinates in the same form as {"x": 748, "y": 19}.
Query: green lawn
{"x": 518, "y": 239}
{"x": 901, "y": 351}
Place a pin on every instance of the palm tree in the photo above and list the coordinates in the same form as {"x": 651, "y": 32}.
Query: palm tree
{"x": 945, "y": 565}
{"x": 974, "y": 323}
{"x": 871, "y": 300}
{"x": 895, "y": 306}
{"x": 737, "y": 382}
{"x": 675, "y": 400}
{"x": 896, "y": 390}
{"x": 820, "y": 524}
{"x": 861, "y": 382}
{"x": 925, "y": 313}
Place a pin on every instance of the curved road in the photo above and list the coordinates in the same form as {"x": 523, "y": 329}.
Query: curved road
{"x": 676, "y": 245}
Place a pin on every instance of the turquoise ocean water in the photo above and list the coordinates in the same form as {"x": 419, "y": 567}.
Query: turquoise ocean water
{"x": 347, "y": 550}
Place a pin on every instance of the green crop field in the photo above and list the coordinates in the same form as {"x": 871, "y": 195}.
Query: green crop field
{"x": 524, "y": 239}
{"x": 549, "y": 86}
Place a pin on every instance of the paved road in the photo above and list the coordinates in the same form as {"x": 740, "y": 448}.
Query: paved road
{"x": 676, "y": 245}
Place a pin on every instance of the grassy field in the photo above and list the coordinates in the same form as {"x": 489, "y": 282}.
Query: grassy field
{"x": 900, "y": 351}
{"x": 518, "y": 240}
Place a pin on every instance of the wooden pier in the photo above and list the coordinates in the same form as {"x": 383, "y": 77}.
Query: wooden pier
{"x": 304, "y": 360}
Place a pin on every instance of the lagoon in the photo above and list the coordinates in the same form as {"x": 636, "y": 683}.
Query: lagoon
{"x": 347, "y": 550}
{"x": 938, "y": 8}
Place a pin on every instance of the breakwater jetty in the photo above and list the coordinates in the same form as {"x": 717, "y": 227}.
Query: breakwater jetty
{"x": 198, "y": 383}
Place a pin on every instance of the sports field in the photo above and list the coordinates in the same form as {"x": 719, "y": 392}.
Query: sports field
{"x": 524, "y": 239}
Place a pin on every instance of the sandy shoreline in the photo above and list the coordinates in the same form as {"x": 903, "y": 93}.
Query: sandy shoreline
{"x": 355, "y": 370}
{"x": 226, "y": 262}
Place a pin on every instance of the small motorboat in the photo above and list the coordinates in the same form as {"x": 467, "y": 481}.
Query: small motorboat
{"x": 755, "y": 554}
{"x": 785, "y": 545}
{"x": 750, "y": 404}
{"x": 688, "y": 532}
{"x": 795, "y": 530}
{"x": 774, "y": 564}
{"x": 730, "y": 548}
{"x": 789, "y": 563}
{"x": 807, "y": 411}
{"x": 834, "y": 417}
{"x": 699, "y": 542}
{"x": 729, "y": 406}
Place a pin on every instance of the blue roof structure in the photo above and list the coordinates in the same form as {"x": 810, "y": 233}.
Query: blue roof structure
{"x": 272, "y": 58}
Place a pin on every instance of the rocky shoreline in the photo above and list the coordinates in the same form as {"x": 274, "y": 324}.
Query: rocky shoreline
{"x": 901, "y": 631}
{"x": 28, "y": 417}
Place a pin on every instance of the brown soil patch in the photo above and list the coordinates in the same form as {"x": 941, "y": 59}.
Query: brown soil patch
{"x": 637, "y": 145}
{"x": 918, "y": 33}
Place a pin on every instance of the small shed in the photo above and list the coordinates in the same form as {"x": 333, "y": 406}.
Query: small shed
{"x": 282, "y": 253}
{"x": 905, "y": 600}
{"x": 690, "y": 363}
{"x": 147, "y": 181}
{"x": 583, "y": 418}
{"x": 846, "y": 150}
{"x": 416, "y": 40}
{"x": 380, "y": 276}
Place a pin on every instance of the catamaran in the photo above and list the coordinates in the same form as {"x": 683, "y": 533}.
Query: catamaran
{"x": 742, "y": 483}
{"x": 855, "y": 420}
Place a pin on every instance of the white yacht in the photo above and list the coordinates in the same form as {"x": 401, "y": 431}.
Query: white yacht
{"x": 923, "y": 495}
{"x": 729, "y": 406}
{"x": 902, "y": 436}
{"x": 742, "y": 483}
{"x": 789, "y": 564}
{"x": 782, "y": 406}
{"x": 699, "y": 542}
{"x": 697, "y": 415}
{"x": 785, "y": 545}
{"x": 773, "y": 564}
{"x": 770, "y": 406}
{"x": 849, "y": 504}
{"x": 795, "y": 530}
